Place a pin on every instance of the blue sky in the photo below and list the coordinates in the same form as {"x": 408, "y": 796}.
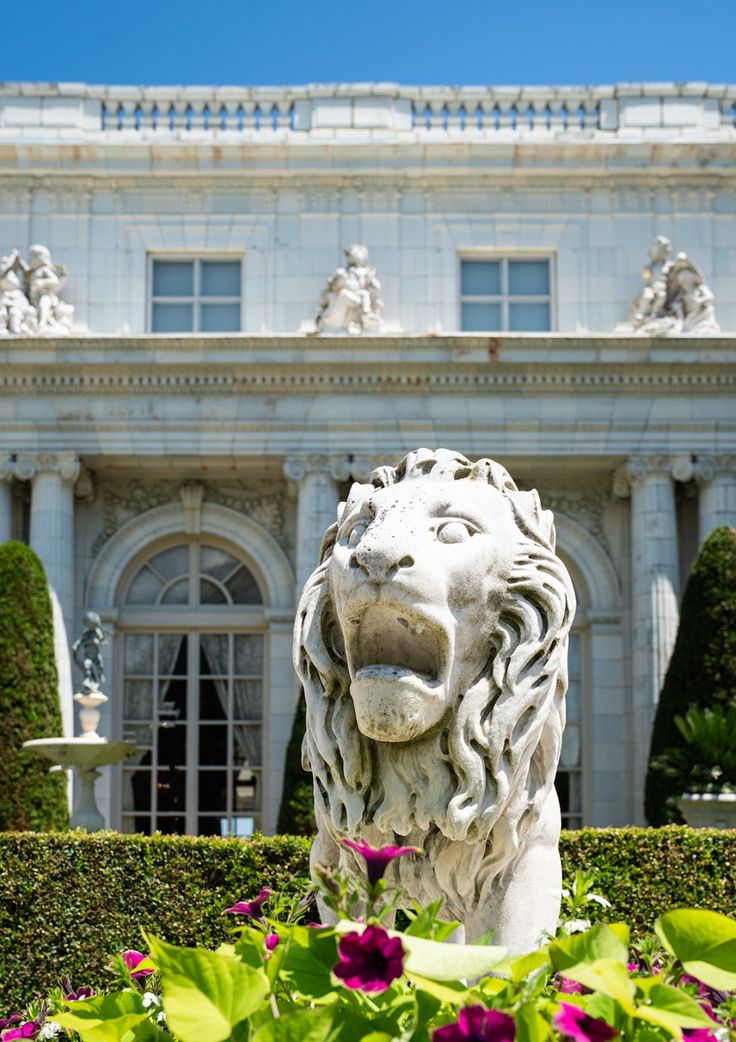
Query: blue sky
{"x": 283, "y": 41}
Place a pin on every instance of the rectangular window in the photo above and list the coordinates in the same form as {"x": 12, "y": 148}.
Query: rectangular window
{"x": 505, "y": 295}
{"x": 197, "y": 295}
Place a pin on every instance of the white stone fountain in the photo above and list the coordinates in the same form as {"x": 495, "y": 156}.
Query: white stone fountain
{"x": 87, "y": 752}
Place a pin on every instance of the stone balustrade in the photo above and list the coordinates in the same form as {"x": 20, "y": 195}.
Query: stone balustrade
{"x": 625, "y": 110}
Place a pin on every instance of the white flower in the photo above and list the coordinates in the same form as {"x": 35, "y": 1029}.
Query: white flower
{"x": 161, "y": 1018}
{"x": 149, "y": 999}
{"x": 50, "y": 1030}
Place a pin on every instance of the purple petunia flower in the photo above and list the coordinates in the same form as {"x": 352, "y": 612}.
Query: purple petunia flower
{"x": 477, "y": 1024}
{"x": 574, "y": 1023}
{"x": 29, "y": 1029}
{"x": 377, "y": 860}
{"x": 252, "y": 908}
{"x": 271, "y": 940}
{"x": 70, "y": 995}
{"x": 369, "y": 961}
{"x": 14, "y": 1018}
{"x": 132, "y": 960}
{"x": 699, "y": 1035}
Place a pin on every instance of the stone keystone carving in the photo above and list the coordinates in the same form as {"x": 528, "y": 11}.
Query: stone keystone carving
{"x": 29, "y": 295}
{"x": 675, "y": 298}
{"x": 431, "y": 642}
{"x": 351, "y": 301}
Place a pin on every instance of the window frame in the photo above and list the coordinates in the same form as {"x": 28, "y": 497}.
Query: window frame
{"x": 504, "y": 298}
{"x": 196, "y": 257}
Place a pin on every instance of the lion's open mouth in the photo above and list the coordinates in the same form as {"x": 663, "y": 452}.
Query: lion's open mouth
{"x": 389, "y": 640}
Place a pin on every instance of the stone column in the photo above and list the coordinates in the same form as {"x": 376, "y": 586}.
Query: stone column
{"x": 52, "y": 477}
{"x": 316, "y": 510}
{"x": 7, "y": 473}
{"x": 717, "y": 501}
{"x": 649, "y": 480}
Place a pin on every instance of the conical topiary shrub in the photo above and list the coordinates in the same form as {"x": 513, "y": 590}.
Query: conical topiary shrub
{"x": 30, "y": 797}
{"x": 702, "y": 670}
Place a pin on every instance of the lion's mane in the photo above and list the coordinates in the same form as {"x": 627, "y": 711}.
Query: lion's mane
{"x": 482, "y": 777}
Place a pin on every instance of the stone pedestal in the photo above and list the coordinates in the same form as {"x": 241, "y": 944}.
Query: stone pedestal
{"x": 717, "y": 502}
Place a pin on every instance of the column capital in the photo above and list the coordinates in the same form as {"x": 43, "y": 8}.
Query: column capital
{"x": 708, "y": 467}
{"x": 7, "y": 468}
{"x": 296, "y": 468}
{"x": 340, "y": 467}
{"x": 65, "y": 464}
{"x": 637, "y": 470}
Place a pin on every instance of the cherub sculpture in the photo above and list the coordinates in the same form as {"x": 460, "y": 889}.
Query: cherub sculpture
{"x": 17, "y": 314}
{"x": 86, "y": 653}
{"x": 45, "y": 280}
{"x": 675, "y": 298}
{"x": 351, "y": 299}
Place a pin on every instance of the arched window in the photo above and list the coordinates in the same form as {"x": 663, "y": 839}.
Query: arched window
{"x": 192, "y": 630}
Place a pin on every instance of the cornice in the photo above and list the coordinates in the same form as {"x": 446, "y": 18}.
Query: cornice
{"x": 394, "y": 379}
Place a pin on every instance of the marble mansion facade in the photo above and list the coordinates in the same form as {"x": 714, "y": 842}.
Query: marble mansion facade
{"x": 176, "y": 457}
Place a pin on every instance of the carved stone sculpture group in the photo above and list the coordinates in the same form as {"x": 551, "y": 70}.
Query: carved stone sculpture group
{"x": 29, "y": 295}
{"x": 675, "y": 298}
{"x": 431, "y": 642}
{"x": 351, "y": 301}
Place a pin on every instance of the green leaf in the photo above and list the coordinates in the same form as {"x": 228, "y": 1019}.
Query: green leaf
{"x": 531, "y": 1025}
{"x": 607, "y": 976}
{"x": 681, "y": 1009}
{"x": 704, "y": 942}
{"x": 205, "y": 993}
{"x": 443, "y": 993}
{"x": 522, "y": 967}
{"x": 105, "y": 1018}
{"x": 436, "y": 960}
{"x": 600, "y": 942}
{"x": 308, "y": 1025}
{"x": 309, "y": 959}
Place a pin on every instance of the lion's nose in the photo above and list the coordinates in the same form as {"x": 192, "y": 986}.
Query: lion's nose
{"x": 380, "y": 563}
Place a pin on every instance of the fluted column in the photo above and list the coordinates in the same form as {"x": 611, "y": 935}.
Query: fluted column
{"x": 717, "y": 500}
{"x": 7, "y": 473}
{"x": 649, "y": 480}
{"x": 316, "y": 509}
{"x": 52, "y": 477}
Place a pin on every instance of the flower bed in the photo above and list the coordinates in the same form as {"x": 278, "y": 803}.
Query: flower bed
{"x": 68, "y": 901}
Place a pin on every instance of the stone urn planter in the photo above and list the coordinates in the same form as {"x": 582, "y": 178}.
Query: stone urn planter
{"x": 709, "y": 810}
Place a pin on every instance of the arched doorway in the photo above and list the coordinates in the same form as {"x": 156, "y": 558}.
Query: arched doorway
{"x": 191, "y": 632}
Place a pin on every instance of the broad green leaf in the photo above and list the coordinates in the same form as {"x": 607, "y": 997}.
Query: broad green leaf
{"x": 603, "y": 1007}
{"x": 149, "y": 1031}
{"x": 600, "y": 942}
{"x": 205, "y": 993}
{"x": 531, "y": 1025}
{"x": 607, "y": 976}
{"x": 443, "y": 992}
{"x": 437, "y": 960}
{"x": 308, "y": 1025}
{"x": 680, "y": 1008}
{"x": 105, "y": 1018}
{"x": 525, "y": 965}
{"x": 704, "y": 942}
{"x": 377, "y": 1036}
{"x": 309, "y": 959}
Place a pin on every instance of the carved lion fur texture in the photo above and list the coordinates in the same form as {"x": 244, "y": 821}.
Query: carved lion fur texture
{"x": 431, "y": 642}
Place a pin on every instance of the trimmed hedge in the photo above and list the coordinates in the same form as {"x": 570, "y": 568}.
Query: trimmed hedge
{"x": 69, "y": 901}
{"x": 702, "y": 670}
{"x": 30, "y": 797}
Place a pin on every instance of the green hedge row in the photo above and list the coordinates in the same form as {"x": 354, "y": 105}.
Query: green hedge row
{"x": 68, "y": 901}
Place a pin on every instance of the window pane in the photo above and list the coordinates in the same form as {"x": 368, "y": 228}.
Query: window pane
{"x": 528, "y": 278}
{"x": 172, "y": 654}
{"x": 481, "y": 317}
{"x": 145, "y": 588}
{"x": 213, "y": 699}
{"x": 212, "y": 790}
{"x": 139, "y": 653}
{"x": 213, "y": 651}
{"x": 243, "y": 588}
{"x": 213, "y": 744}
{"x": 220, "y": 279}
{"x": 217, "y": 563}
{"x": 247, "y": 744}
{"x": 138, "y": 700}
{"x": 173, "y": 278}
{"x": 220, "y": 318}
{"x": 246, "y": 794}
{"x": 211, "y": 593}
{"x": 249, "y": 654}
{"x": 178, "y": 593}
{"x": 248, "y": 699}
{"x": 172, "y": 318}
{"x": 480, "y": 278}
{"x": 528, "y": 318}
{"x": 570, "y": 755}
{"x": 136, "y": 790}
{"x": 172, "y": 563}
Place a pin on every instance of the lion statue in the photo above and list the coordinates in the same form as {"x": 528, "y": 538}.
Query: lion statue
{"x": 431, "y": 642}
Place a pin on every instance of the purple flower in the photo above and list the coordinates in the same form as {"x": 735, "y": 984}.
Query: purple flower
{"x": 133, "y": 960}
{"x": 14, "y": 1018}
{"x": 369, "y": 961}
{"x": 576, "y": 1024}
{"x": 477, "y": 1024}
{"x": 571, "y": 987}
{"x": 376, "y": 861}
{"x": 699, "y": 1035}
{"x": 29, "y": 1029}
{"x": 70, "y": 995}
{"x": 271, "y": 940}
{"x": 252, "y": 908}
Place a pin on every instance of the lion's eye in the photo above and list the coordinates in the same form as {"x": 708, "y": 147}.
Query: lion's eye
{"x": 454, "y": 532}
{"x": 356, "y": 533}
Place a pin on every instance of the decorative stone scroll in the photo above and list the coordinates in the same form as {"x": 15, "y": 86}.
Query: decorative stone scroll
{"x": 351, "y": 300}
{"x": 431, "y": 643}
{"x": 29, "y": 295}
{"x": 675, "y": 298}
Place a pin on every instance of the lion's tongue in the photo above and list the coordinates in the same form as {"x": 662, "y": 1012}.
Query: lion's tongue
{"x": 388, "y": 639}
